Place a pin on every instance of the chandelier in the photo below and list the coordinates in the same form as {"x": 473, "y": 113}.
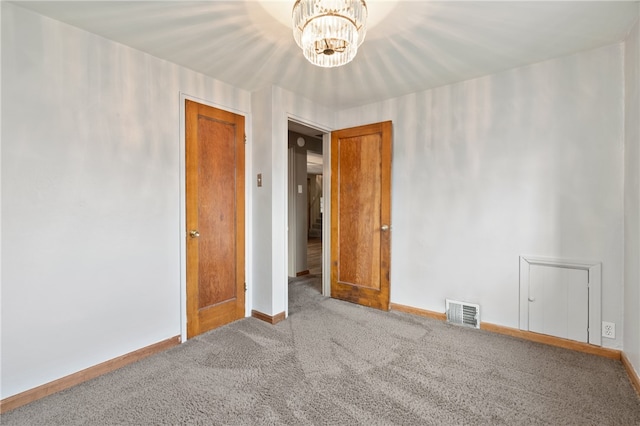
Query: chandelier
{"x": 329, "y": 31}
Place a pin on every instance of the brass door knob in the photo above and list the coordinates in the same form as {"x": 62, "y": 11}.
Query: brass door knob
{"x": 194, "y": 234}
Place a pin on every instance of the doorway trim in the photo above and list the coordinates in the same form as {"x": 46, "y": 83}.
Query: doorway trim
{"x": 326, "y": 216}
{"x": 594, "y": 271}
{"x": 182, "y": 230}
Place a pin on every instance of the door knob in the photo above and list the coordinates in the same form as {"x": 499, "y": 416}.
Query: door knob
{"x": 384, "y": 228}
{"x": 194, "y": 234}
{"x": 532, "y": 299}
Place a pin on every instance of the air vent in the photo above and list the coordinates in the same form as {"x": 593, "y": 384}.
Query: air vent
{"x": 463, "y": 313}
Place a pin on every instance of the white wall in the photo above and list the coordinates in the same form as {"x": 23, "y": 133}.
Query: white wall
{"x": 632, "y": 198}
{"x": 524, "y": 162}
{"x": 90, "y": 197}
{"x": 298, "y": 206}
{"x": 270, "y": 274}
{"x": 302, "y": 208}
{"x": 262, "y": 151}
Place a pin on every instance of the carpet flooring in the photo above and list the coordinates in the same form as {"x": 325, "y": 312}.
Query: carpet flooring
{"x": 335, "y": 363}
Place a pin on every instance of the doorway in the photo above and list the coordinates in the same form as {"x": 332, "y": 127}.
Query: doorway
{"x": 356, "y": 220}
{"x": 305, "y": 202}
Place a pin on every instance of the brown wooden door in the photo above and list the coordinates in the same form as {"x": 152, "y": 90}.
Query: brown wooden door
{"x": 215, "y": 217}
{"x": 361, "y": 214}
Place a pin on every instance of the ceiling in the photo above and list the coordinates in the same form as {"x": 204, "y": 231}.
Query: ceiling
{"x": 413, "y": 46}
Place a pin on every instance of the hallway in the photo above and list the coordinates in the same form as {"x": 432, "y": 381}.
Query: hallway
{"x": 314, "y": 256}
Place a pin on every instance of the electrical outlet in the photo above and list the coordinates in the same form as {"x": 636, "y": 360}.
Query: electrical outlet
{"x": 609, "y": 329}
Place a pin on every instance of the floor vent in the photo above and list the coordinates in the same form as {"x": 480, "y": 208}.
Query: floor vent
{"x": 463, "y": 313}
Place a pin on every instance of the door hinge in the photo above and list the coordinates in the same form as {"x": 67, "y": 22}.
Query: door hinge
{"x": 245, "y": 286}
{"x": 245, "y": 139}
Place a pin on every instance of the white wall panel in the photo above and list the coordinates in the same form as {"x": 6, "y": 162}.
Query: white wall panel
{"x": 302, "y": 209}
{"x": 527, "y": 161}
{"x": 559, "y": 302}
{"x": 632, "y": 198}
{"x": 90, "y": 197}
{"x": 261, "y": 148}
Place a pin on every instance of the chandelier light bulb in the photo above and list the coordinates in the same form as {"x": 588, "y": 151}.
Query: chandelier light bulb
{"x": 329, "y": 31}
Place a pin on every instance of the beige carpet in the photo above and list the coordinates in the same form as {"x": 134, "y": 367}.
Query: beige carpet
{"x": 335, "y": 363}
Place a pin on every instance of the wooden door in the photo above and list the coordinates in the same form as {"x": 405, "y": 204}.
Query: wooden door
{"x": 559, "y": 302}
{"x": 215, "y": 217}
{"x": 361, "y": 214}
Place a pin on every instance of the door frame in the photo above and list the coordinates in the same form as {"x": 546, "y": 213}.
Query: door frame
{"x": 182, "y": 231}
{"x": 594, "y": 270}
{"x": 326, "y": 215}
